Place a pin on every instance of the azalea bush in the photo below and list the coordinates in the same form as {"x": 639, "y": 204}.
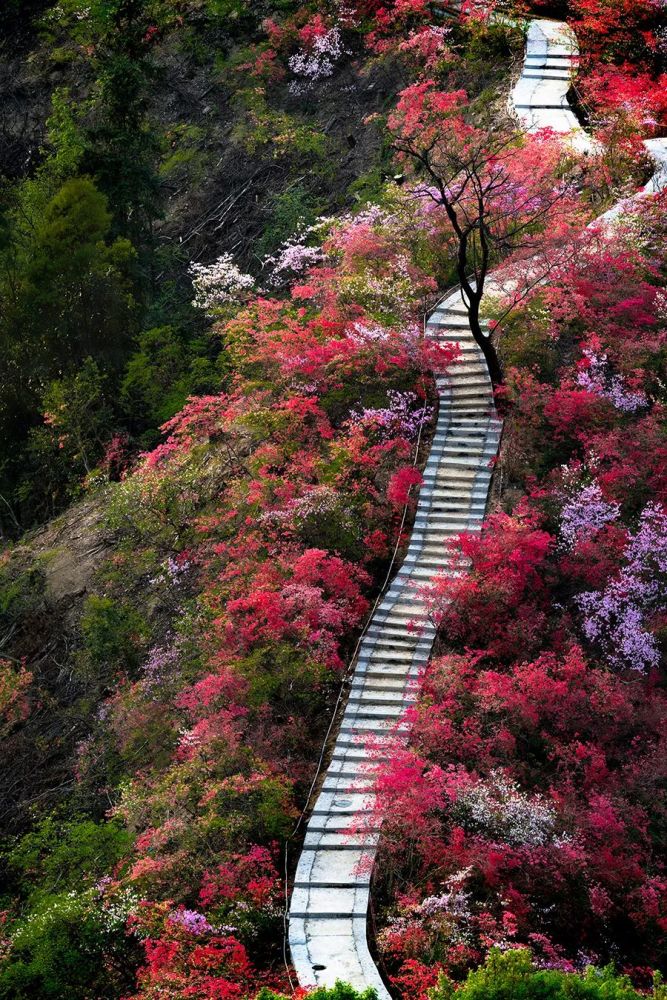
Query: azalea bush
{"x": 262, "y": 524}
{"x": 531, "y": 787}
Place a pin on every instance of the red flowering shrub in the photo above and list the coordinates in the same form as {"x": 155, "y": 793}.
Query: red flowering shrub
{"x": 501, "y": 603}
{"x": 623, "y": 92}
{"x": 617, "y": 28}
{"x": 526, "y": 813}
{"x": 189, "y": 958}
{"x": 401, "y": 485}
{"x": 528, "y": 809}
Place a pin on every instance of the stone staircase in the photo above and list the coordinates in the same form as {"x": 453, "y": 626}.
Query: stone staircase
{"x": 328, "y": 913}
{"x": 329, "y": 904}
{"x": 540, "y": 97}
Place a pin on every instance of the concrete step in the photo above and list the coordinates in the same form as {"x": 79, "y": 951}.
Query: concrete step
{"x": 455, "y": 386}
{"x": 380, "y": 687}
{"x": 385, "y": 633}
{"x": 386, "y": 664}
{"x": 364, "y": 727}
{"x": 388, "y": 620}
{"x": 391, "y": 642}
{"x": 365, "y": 697}
{"x": 457, "y": 324}
{"x": 442, "y": 502}
{"x": 479, "y": 451}
{"x": 448, "y": 333}
{"x": 390, "y": 655}
{"x": 435, "y": 519}
{"x": 365, "y": 842}
{"x": 351, "y": 769}
{"x": 403, "y": 607}
{"x": 466, "y": 348}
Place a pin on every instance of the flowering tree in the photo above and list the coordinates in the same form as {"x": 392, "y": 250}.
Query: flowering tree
{"x": 499, "y": 194}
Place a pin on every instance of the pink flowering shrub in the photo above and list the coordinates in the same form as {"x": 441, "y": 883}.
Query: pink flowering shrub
{"x": 528, "y": 809}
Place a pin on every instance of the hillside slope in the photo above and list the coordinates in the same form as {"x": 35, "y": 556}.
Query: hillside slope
{"x": 221, "y": 226}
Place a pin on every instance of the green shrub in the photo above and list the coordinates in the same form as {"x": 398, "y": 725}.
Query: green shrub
{"x": 21, "y": 591}
{"x": 259, "y": 126}
{"x": 68, "y": 948}
{"x": 341, "y": 991}
{"x": 158, "y": 507}
{"x": 112, "y": 632}
{"x": 183, "y": 155}
{"x": 160, "y": 376}
{"x": 79, "y": 417}
{"x": 291, "y": 210}
{"x": 525, "y": 341}
{"x": 280, "y": 674}
{"x": 511, "y": 975}
{"x": 58, "y": 856}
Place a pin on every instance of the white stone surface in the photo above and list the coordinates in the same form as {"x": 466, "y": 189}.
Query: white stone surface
{"x": 657, "y": 150}
{"x": 539, "y": 99}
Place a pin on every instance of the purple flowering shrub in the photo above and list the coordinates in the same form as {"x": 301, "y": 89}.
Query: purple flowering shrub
{"x": 596, "y": 376}
{"x": 585, "y": 513}
{"x": 617, "y": 617}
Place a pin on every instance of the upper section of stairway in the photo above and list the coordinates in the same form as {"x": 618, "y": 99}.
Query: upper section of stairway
{"x": 540, "y": 97}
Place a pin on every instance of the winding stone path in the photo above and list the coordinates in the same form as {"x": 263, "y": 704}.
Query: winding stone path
{"x": 329, "y": 904}
{"x": 539, "y": 99}
{"x": 657, "y": 150}
{"x": 327, "y": 920}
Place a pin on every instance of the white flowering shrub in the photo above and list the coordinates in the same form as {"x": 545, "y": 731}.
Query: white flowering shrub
{"x": 497, "y": 809}
{"x": 216, "y": 285}
{"x": 317, "y": 62}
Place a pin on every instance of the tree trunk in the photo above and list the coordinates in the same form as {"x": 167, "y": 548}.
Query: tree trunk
{"x": 473, "y": 295}
{"x": 484, "y": 343}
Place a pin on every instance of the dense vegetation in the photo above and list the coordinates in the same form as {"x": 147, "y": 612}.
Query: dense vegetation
{"x": 533, "y": 787}
{"x": 216, "y": 247}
